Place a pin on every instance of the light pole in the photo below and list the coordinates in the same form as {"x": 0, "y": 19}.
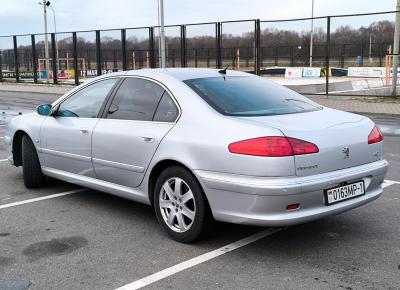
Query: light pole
{"x": 396, "y": 50}
{"x": 312, "y": 32}
{"x": 162, "y": 32}
{"x": 46, "y": 40}
{"x": 55, "y": 30}
{"x": 370, "y": 48}
{"x": 46, "y": 4}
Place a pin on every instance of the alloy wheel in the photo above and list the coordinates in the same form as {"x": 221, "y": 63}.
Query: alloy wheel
{"x": 177, "y": 205}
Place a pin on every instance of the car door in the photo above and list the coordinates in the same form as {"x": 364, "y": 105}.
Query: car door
{"x": 124, "y": 142}
{"x": 65, "y": 136}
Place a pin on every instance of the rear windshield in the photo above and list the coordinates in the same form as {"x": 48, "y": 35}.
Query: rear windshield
{"x": 249, "y": 96}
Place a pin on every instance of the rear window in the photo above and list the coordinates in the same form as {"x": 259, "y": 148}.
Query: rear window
{"x": 249, "y": 96}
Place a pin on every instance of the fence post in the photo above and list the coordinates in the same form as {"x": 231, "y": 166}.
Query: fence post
{"x": 104, "y": 55}
{"x": 362, "y": 54}
{"x": 342, "y": 53}
{"x": 75, "y": 57}
{"x": 88, "y": 59}
{"x": 98, "y": 53}
{"x": 16, "y": 62}
{"x": 328, "y": 51}
{"x": 140, "y": 55}
{"x": 307, "y": 55}
{"x": 233, "y": 57}
{"x": 123, "y": 47}
{"x": 257, "y": 42}
{"x": 54, "y": 58}
{"x": 115, "y": 62}
{"x": 151, "y": 48}
{"x": 183, "y": 46}
{"x": 173, "y": 57}
{"x": 218, "y": 44}
{"x": 292, "y": 56}
{"x": 34, "y": 60}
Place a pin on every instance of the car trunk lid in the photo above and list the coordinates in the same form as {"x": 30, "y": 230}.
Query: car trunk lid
{"x": 342, "y": 139}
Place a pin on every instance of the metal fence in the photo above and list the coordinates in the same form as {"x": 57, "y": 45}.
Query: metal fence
{"x": 243, "y": 45}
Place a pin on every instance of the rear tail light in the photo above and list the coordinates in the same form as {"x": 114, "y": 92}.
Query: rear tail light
{"x": 375, "y": 136}
{"x": 301, "y": 147}
{"x": 273, "y": 147}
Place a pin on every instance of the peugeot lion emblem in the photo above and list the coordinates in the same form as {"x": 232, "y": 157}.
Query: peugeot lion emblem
{"x": 346, "y": 152}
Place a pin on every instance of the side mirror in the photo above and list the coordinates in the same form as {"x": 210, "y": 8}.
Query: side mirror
{"x": 44, "y": 110}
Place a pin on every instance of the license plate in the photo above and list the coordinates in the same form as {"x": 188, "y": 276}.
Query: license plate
{"x": 337, "y": 194}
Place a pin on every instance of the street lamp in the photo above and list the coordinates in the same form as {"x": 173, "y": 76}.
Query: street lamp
{"x": 46, "y": 40}
{"x": 55, "y": 29}
{"x": 45, "y": 5}
{"x": 162, "y": 32}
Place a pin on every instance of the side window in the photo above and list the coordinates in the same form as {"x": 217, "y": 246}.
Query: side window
{"x": 136, "y": 99}
{"x": 166, "y": 110}
{"x": 87, "y": 102}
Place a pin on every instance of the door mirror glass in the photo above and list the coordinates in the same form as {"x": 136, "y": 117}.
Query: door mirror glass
{"x": 44, "y": 110}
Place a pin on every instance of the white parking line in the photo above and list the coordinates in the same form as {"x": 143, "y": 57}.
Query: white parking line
{"x": 2, "y": 160}
{"x": 198, "y": 260}
{"x": 387, "y": 183}
{"x": 41, "y": 198}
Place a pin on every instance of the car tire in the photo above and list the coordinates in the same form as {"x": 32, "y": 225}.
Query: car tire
{"x": 32, "y": 172}
{"x": 182, "y": 205}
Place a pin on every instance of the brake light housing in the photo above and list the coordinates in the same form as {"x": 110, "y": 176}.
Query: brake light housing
{"x": 375, "y": 136}
{"x": 273, "y": 146}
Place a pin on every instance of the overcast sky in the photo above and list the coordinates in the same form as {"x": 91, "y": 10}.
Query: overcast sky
{"x": 26, "y": 16}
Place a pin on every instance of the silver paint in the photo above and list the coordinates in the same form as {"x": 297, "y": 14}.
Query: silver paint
{"x": 118, "y": 156}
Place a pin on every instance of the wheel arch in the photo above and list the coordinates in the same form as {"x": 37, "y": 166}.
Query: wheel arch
{"x": 17, "y": 147}
{"x": 161, "y": 166}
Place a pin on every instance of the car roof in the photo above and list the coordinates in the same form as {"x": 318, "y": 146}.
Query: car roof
{"x": 184, "y": 73}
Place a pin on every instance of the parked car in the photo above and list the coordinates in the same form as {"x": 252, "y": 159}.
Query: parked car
{"x": 197, "y": 144}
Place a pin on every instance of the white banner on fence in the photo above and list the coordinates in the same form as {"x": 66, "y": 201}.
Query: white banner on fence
{"x": 293, "y": 72}
{"x": 370, "y": 72}
{"x": 311, "y": 72}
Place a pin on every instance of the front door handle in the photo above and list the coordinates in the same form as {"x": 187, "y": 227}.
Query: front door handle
{"x": 148, "y": 139}
{"x": 84, "y": 131}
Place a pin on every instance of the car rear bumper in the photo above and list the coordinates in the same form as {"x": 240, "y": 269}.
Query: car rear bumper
{"x": 263, "y": 200}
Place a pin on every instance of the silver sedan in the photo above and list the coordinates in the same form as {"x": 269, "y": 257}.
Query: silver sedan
{"x": 203, "y": 144}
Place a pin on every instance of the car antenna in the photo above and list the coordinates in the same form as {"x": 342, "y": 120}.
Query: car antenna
{"x": 223, "y": 71}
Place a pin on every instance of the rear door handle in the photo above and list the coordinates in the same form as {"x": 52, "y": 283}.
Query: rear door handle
{"x": 84, "y": 131}
{"x": 148, "y": 139}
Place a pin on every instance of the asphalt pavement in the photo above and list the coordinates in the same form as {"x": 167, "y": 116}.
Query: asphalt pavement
{"x": 90, "y": 240}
